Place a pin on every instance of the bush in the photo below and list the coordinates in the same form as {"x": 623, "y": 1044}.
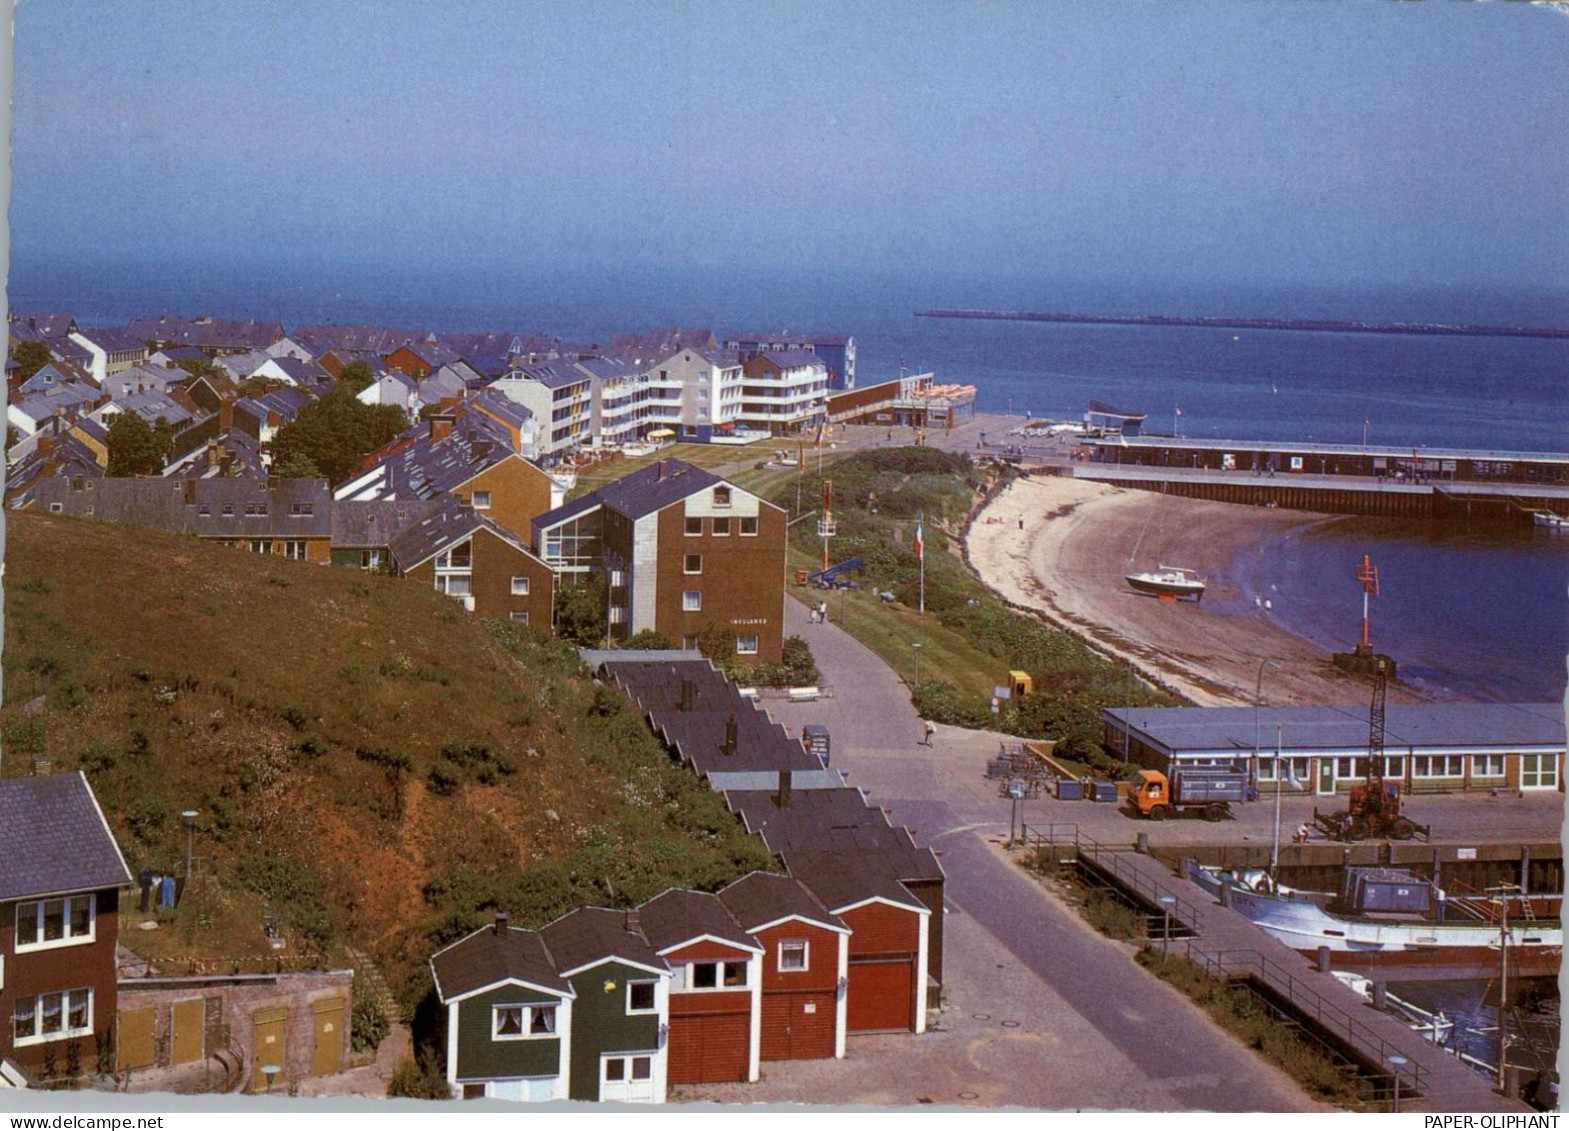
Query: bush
{"x": 412, "y": 1081}
{"x": 369, "y": 1025}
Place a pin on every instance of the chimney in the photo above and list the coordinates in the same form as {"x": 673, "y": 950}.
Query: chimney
{"x": 441, "y": 426}
{"x": 501, "y": 923}
{"x": 660, "y": 464}
{"x": 785, "y": 785}
{"x": 212, "y": 453}
{"x": 688, "y": 695}
{"x": 730, "y": 736}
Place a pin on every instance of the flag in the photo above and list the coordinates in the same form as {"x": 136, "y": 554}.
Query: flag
{"x": 822, "y": 427}
{"x": 920, "y": 546}
{"x": 1179, "y": 410}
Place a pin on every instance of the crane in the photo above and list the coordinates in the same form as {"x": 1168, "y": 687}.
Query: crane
{"x": 1373, "y": 809}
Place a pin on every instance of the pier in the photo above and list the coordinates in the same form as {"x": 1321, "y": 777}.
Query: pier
{"x": 1185, "y": 920}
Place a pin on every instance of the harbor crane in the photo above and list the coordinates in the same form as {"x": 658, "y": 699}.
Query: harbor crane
{"x": 1373, "y": 809}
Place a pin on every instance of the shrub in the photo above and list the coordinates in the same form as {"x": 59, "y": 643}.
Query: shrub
{"x": 368, "y": 1025}
{"x": 412, "y": 1081}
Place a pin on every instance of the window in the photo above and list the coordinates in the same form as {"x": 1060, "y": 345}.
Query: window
{"x": 716, "y": 975}
{"x": 692, "y": 564}
{"x": 792, "y": 954}
{"x": 721, "y": 528}
{"x": 746, "y": 645}
{"x": 721, "y": 496}
{"x": 482, "y": 500}
{"x": 454, "y": 584}
{"x": 261, "y": 546}
{"x": 300, "y": 510}
{"x": 56, "y": 508}
{"x": 204, "y": 510}
{"x": 694, "y": 527}
{"x": 640, "y": 997}
{"x": 692, "y": 601}
{"x": 618, "y": 579}
{"x": 52, "y": 1016}
{"x": 370, "y": 559}
{"x": 618, "y": 615}
{"x": 749, "y": 528}
{"x": 520, "y": 587}
{"x": 1487, "y": 765}
{"x": 1538, "y": 771}
{"x": 460, "y": 556}
{"x": 520, "y": 1022}
{"x": 1438, "y": 766}
{"x": 689, "y": 643}
{"x": 228, "y": 509}
{"x": 294, "y": 550}
{"x": 519, "y": 615}
{"x": 56, "y": 922}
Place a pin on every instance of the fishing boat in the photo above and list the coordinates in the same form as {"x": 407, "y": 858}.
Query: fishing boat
{"x": 1168, "y": 581}
{"x": 1390, "y": 916}
{"x": 1432, "y": 1025}
{"x": 1550, "y": 520}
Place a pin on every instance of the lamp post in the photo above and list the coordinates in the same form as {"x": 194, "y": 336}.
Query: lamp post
{"x": 1165, "y": 939}
{"x": 271, "y": 1072}
{"x": 189, "y": 816}
{"x": 916, "y": 644}
{"x": 1258, "y": 692}
{"x": 1396, "y": 1062}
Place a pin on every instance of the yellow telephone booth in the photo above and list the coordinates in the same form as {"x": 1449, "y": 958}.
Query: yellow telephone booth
{"x": 1021, "y": 683}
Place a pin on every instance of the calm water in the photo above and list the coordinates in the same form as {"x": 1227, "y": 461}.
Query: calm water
{"x": 1473, "y": 1007}
{"x": 1469, "y": 616}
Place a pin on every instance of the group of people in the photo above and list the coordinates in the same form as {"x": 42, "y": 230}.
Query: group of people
{"x": 158, "y": 889}
{"x": 819, "y": 612}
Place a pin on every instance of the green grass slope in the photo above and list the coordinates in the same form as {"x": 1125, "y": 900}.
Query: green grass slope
{"x": 370, "y": 762}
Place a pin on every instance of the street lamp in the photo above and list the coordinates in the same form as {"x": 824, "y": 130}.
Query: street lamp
{"x": 1258, "y": 691}
{"x": 1397, "y": 1062}
{"x": 189, "y": 816}
{"x": 916, "y": 644}
{"x": 271, "y": 1072}
{"x": 1165, "y": 939}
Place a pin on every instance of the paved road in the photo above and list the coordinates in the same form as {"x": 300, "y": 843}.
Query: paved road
{"x": 1093, "y": 1029}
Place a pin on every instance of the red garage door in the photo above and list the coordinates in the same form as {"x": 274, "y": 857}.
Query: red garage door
{"x": 881, "y": 995}
{"x": 798, "y": 1025}
{"x": 709, "y": 1048}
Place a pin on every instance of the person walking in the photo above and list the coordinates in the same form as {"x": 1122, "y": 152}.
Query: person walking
{"x": 927, "y": 730}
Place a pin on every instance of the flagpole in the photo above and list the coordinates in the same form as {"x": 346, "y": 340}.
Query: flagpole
{"x": 920, "y": 523}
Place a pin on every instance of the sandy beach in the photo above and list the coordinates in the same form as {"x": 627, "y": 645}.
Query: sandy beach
{"x": 1080, "y": 538}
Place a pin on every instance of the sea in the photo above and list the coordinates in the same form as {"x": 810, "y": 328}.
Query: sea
{"x": 1468, "y": 614}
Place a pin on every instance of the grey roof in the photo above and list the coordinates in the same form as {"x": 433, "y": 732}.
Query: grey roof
{"x": 698, "y": 734}
{"x": 590, "y": 935}
{"x": 242, "y": 365}
{"x": 213, "y": 333}
{"x": 416, "y": 466}
{"x": 376, "y": 522}
{"x": 1421, "y": 726}
{"x": 657, "y": 344}
{"x": 445, "y": 526}
{"x": 66, "y": 398}
{"x": 551, "y": 374}
{"x": 608, "y": 368}
{"x": 488, "y": 957}
{"x": 792, "y": 359}
{"x": 844, "y": 878}
{"x": 235, "y": 454}
{"x": 178, "y": 354}
{"x": 498, "y": 406}
{"x": 762, "y": 898}
{"x": 644, "y": 491}
{"x": 113, "y": 340}
{"x": 679, "y": 917}
{"x": 50, "y": 325}
{"x": 175, "y": 505}
{"x": 787, "y": 339}
{"x": 64, "y": 455}
{"x": 285, "y": 403}
{"x": 150, "y": 404}
{"x": 53, "y": 838}
{"x": 837, "y": 820}
{"x": 63, "y": 347}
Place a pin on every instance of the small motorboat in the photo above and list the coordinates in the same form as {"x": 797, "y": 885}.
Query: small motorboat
{"x": 1550, "y": 520}
{"x": 1169, "y": 581}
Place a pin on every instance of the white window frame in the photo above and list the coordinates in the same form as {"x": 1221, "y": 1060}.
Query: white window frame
{"x": 1543, "y": 776}
{"x": 481, "y": 500}
{"x": 653, "y": 985}
{"x": 804, "y": 946}
{"x": 691, "y": 600}
{"x": 526, "y": 1018}
{"x": 618, "y": 579}
{"x": 66, "y": 938}
{"x": 295, "y": 549}
{"x": 1482, "y": 765}
{"x": 686, "y": 564}
{"x": 689, "y": 976}
{"x": 65, "y": 1033}
{"x": 520, "y": 585}
{"x": 618, "y": 614}
{"x": 741, "y": 646}
{"x": 691, "y": 523}
{"x": 518, "y": 615}
{"x": 448, "y": 584}
{"x": 745, "y": 520}
{"x": 722, "y": 527}
{"x": 721, "y": 496}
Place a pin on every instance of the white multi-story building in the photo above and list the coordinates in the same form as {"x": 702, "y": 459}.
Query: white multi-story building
{"x": 695, "y": 394}
{"x": 559, "y": 396}
{"x": 617, "y": 399}
{"x": 783, "y": 391}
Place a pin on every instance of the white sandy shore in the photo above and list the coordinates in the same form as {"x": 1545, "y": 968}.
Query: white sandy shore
{"x": 1080, "y": 538}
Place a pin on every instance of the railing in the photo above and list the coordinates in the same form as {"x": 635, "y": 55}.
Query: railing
{"x": 1309, "y": 1003}
{"x": 1114, "y": 861}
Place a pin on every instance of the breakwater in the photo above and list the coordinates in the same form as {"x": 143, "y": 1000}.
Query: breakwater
{"x": 1313, "y": 325}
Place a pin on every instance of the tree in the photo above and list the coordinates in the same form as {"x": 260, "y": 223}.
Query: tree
{"x": 200, "y": 366}
{"x": 580, "y": 612}
{"x": 31, "y": 356}
{"x": 336, "y": 433}
{"x": 256, "y": 386}
{"x": 354, "y": 376}
{"x": 296, "y": 466}
{"x": 649, "y": 640}
{"x": 137, "y": 448}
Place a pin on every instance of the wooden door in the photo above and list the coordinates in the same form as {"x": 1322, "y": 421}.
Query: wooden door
{"x": 135, "y": 1044}
{"x": 881, "y": 995}
{"x": 267, "y": 1047}
{"x": 327, "y": 1050}
{"x": 187, "y": 1040}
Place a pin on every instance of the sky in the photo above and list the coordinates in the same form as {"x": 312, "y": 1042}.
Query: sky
{"x": 1355, "y": 143}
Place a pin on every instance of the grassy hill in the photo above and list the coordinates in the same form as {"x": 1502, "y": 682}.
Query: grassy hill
{"x": 370, "y": 762}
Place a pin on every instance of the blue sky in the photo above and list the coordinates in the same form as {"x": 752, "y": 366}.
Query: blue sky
{"x": 1346, "y": 144}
